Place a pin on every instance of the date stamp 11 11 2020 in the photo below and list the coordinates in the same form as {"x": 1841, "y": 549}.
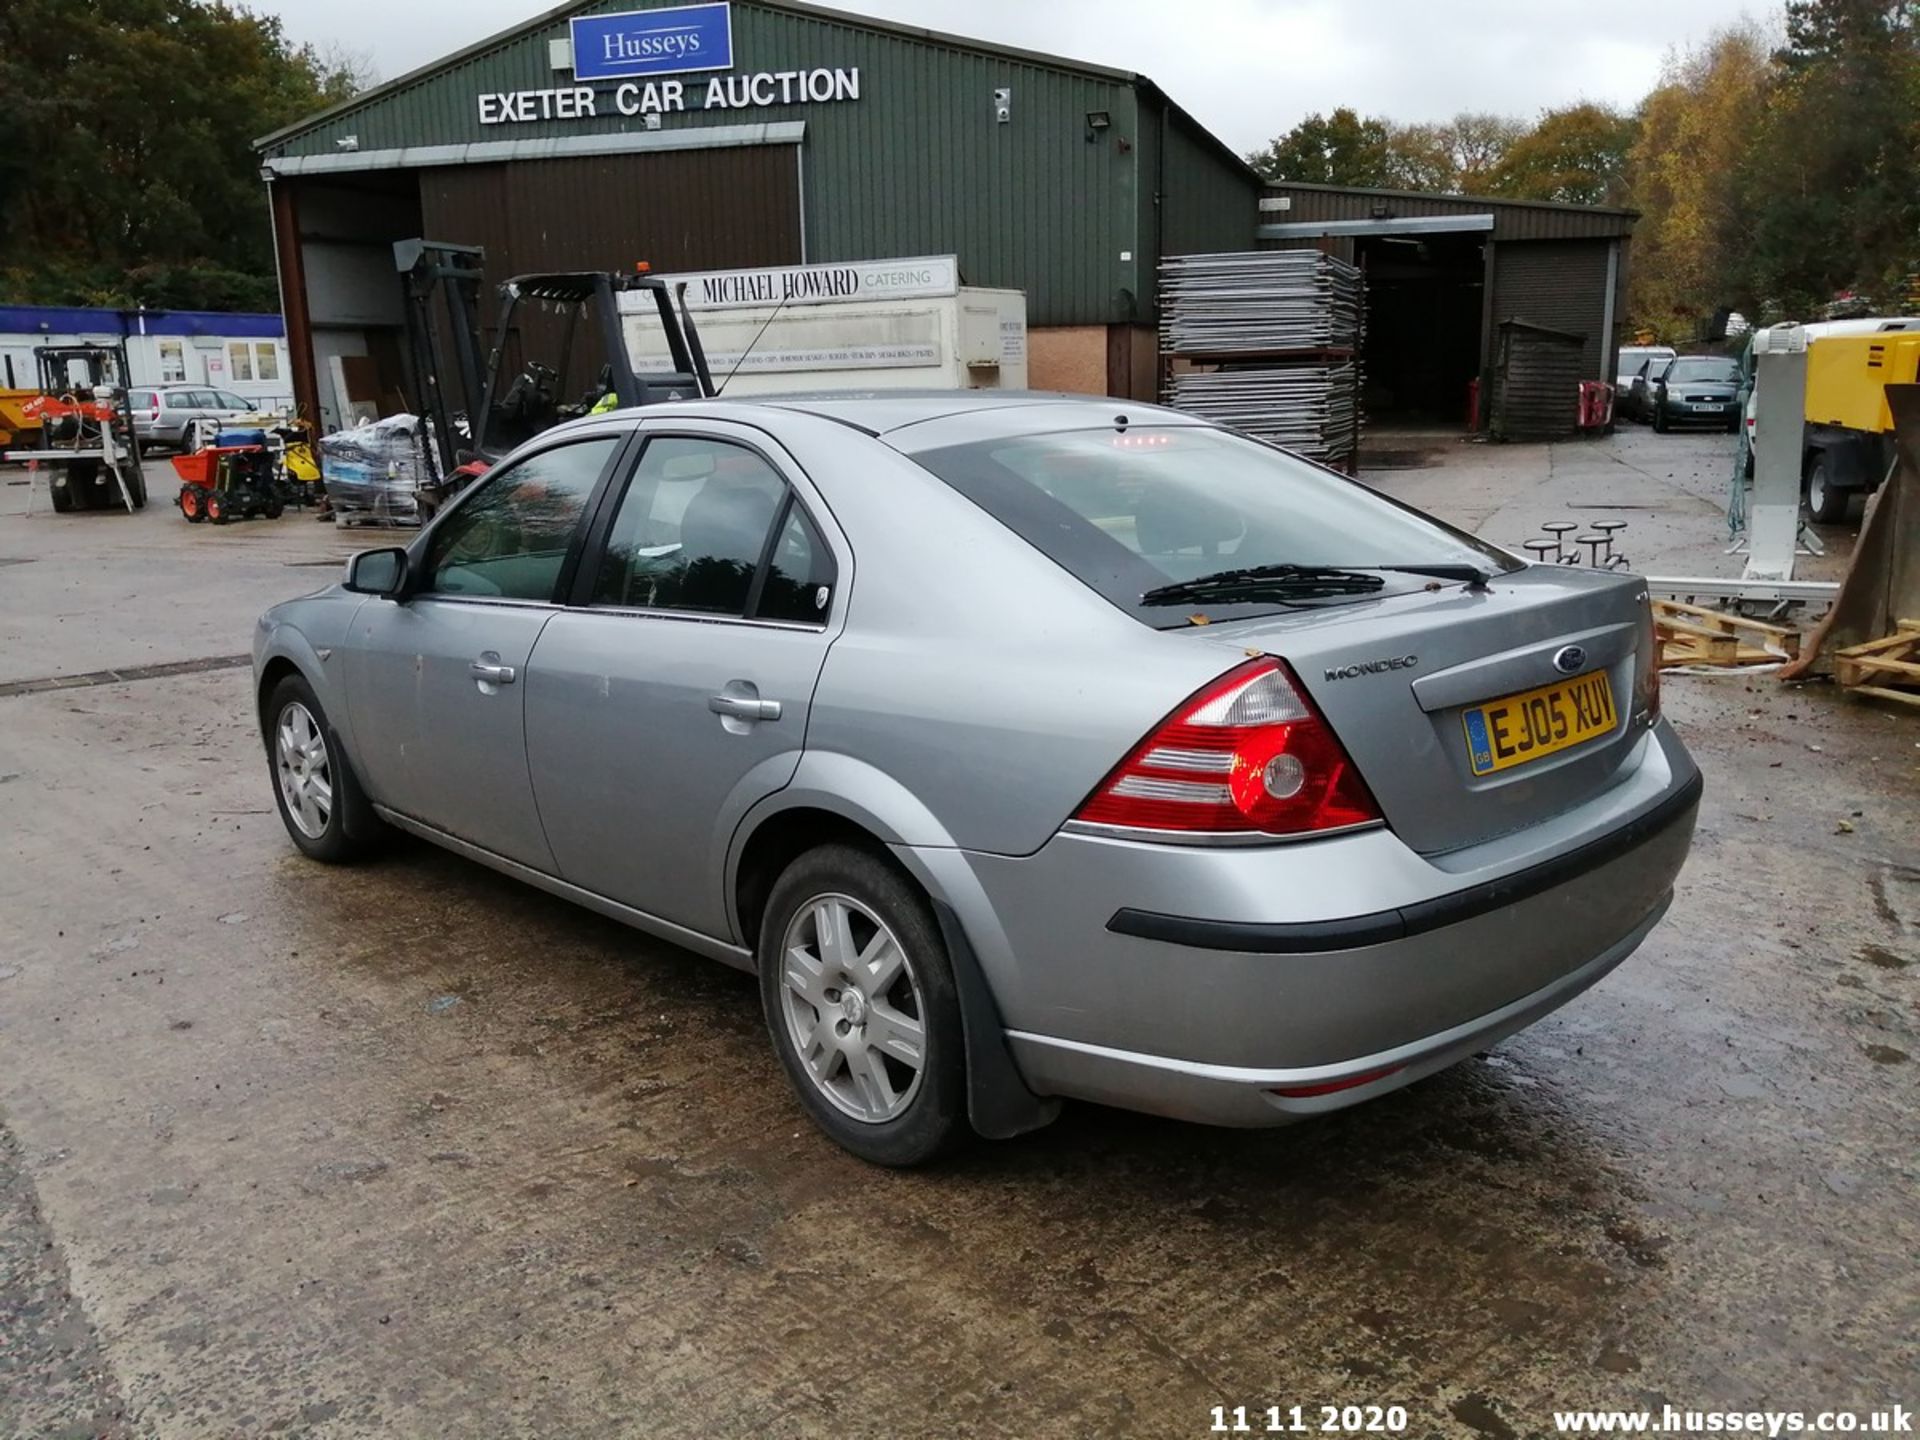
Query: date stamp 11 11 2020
{"x": 1308, "y": 1420}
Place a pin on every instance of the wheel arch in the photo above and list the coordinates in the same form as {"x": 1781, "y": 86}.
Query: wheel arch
{"x": 1000, "y": 1104}
{"x": 276, "y": 669}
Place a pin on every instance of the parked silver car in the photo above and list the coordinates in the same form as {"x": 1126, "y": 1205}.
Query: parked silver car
{"x": 185, "y": 417}
{"x": 1028, "y": 747}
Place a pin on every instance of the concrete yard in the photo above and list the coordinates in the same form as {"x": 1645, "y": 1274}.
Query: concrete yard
{"x": 411, "y": 1150}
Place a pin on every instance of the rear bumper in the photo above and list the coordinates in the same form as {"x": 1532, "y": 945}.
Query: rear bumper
{"x": 1193, "y": 982}
{"x": 1246, "y": 1097}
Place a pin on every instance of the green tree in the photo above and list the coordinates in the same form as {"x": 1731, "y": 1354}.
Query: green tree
{"x": 129, "y": 175}
{"x": 1346, "y": 148}
{"x": 1337, "y": 149}
{"x": 1831, "y": 183}
{"x": 1577, "y": 155}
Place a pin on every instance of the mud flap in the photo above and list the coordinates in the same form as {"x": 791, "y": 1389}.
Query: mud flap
{"x": 357, "y": 816}
{"x": 999, "y": 1104}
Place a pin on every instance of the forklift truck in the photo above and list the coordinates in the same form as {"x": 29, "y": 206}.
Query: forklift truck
{"x": 480, "y": 401}
{"x": 86, "y": 428}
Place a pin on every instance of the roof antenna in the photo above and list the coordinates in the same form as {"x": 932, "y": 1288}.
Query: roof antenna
{"x": 721, "y": 390}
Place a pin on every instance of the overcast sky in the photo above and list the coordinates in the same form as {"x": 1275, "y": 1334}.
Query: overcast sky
{"x": 1248, "y": 69}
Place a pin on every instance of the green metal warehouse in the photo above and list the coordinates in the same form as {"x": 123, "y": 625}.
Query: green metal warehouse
{"x": 762, "y": 133}
{"x": 852, "y": 138}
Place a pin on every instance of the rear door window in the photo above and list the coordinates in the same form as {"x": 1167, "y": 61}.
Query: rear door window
{"x": 1129, "y": 511}
{"x": 696, "y": 531}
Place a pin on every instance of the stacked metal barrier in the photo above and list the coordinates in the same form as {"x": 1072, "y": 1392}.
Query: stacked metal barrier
{"x": 1267, "y": 341}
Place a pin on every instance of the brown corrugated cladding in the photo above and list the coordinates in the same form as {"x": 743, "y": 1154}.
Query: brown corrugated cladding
{"x": 1512, "y": 219}
{"x": 676, "y": 209}
{"x": 1559, "y": 284}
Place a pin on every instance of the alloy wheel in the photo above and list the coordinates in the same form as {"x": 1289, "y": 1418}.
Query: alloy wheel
{"x": 853, "y": 1008}
{"x": 305, "y": 772}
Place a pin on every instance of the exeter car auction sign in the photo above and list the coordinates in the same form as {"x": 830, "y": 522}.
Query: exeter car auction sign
{"x": 645, "y": 51}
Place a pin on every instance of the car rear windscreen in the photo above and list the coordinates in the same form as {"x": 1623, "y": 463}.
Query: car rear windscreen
{"x": 1127, "y": 511}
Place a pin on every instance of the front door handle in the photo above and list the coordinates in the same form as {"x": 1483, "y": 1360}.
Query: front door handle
{"x": 743, "y": 707}
{"x": 491, "y": 673}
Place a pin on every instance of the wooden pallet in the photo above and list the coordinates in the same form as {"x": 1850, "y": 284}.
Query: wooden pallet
{"x": 1887, "y": 668}
{"x": 1696, "y": 635}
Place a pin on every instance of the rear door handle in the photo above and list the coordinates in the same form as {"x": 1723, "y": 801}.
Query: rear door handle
{"x": 491, "y": 673}
{"x": 743, "y": 707}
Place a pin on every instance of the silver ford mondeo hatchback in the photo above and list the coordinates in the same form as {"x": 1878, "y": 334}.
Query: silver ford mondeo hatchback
{"x": 1026, "y": 747}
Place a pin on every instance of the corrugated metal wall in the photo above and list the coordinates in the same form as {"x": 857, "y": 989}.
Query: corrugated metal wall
{"x": 1209, "y": 204}
{"x": 916, "y": 165}
{"x": 677, "y": 209}
{"x": 919, "y": 165}
{"x": 1561, "y": 284}
{"x": 1512, "y": 219}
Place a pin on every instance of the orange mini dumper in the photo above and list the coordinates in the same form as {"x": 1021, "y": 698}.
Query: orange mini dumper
{"x": 231, "y": 479}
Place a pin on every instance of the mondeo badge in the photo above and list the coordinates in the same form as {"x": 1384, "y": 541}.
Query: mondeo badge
{"x": 1570, "y": 659}
{"x": 1372, "y": 667}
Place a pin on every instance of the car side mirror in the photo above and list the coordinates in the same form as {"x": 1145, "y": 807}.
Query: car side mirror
{"x": 377, "y": 572}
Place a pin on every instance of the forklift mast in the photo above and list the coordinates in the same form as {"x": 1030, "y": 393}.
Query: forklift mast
{"x": 445, "y": 368}
{"x": 459, "y": 376}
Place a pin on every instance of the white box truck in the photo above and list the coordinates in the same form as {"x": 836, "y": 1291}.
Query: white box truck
{"x": 857, "y": 325}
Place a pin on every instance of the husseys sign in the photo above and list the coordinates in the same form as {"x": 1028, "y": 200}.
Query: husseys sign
{"x": 619, "y": 62}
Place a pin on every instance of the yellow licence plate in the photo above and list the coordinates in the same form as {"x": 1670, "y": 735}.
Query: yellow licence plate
{"x": 1523, "y": 727}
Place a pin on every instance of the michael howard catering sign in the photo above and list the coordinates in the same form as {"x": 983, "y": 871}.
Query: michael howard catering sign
{"x": 653, "y": 42}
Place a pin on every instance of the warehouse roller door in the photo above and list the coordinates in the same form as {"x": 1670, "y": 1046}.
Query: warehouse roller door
{"x": 679, "y": 210}
{"x": 1561, "y": 285}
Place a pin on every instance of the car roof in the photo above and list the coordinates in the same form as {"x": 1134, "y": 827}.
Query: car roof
{"x": 882, "y": 412}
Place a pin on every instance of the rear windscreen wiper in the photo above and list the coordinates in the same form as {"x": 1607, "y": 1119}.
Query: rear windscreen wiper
{"x": 1256, "y": 582}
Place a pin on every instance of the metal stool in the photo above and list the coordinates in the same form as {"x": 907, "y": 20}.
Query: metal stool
{"x": 1545, "y": 552}
{"x": 1611, "y": 529}
{"x": 1559, "y": 529}
{"x": 1594, "y": 544}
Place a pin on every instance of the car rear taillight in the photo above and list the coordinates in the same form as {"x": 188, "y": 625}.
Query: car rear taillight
{"x": 1247, "y": 755}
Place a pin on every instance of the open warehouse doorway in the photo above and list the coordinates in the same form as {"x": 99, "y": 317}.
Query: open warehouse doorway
{"x": 1421, "y": 352}
{"x": 1443, "y": 273}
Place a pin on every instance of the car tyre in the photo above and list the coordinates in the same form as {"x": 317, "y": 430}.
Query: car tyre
{"x": 1659, "y": 419}
{"x": 1826, "y": 502}
{"x": 862, "y": 1007}
{"x": 331, "y": 821}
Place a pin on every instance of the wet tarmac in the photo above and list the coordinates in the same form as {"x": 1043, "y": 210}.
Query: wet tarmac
{"x": 410, "y": 1150}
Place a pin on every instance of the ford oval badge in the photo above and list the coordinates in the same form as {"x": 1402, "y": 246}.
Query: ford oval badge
{"x": 1570, "y": 659}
